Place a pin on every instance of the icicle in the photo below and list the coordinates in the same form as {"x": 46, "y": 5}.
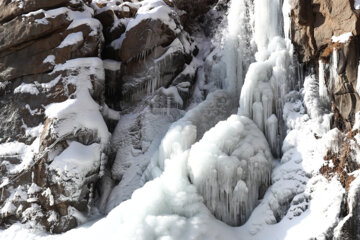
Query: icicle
{"x": 103, "y": 162}
{"x": 358, "y": 80}
{"x": 258, "y": 116}
{"x": 91, "y": 198}
{"x": 168, "y": 105}
{"x": 238, "y": 51}
{"x": 267, "y": 101}
{"x": 334, "y": 78}
{"x": 271, "y": 132}
{"x": 322, "y": 85}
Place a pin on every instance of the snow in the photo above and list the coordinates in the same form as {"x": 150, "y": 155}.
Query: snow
{"x": 49, "y": 59}
{"x": 34, "y": 188}
{"x": 357, "y": 4}
{"x": 82, "y": 111}
{"x": 77, "y": 160}
{"x": 109, "y": 113}
{"x": 12, "y": 148}
{"x": 172, "y": 93}
{"x": 112, "y": 65}
{"x": 72, "y": 39}
{"x": 153, "y": 9}
{"x": 343, "y": 38}
{"x": 47, "y": 193}
{"x": 27, "y": 88}
{"x": 76, "y": 163}
{"x": 20, "y": 150}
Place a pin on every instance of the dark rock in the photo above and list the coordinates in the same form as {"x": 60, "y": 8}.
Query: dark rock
{"x": 143, "y": 38}
{"x": 10, "y": 9}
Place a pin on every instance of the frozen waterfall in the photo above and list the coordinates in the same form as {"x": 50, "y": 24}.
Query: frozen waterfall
{"x": 230, "y": 167}
{"x": 238, "y": 45}
{"x": 271, "y": 77}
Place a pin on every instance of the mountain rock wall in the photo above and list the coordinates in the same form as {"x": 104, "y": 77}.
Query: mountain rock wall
{"x": 329, "y": 31}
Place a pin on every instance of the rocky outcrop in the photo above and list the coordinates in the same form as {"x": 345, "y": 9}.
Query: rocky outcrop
{"x": 329, "y": 31}
{"x": 326, "y": 35}
{"x": 50, "y": 75}
{"x": 62, "y": 65}
{"x": 150, "y": 45}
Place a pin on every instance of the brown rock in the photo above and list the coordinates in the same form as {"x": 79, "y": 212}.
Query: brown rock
{"x": 23, "y": 29}
{"x": 28, "y": 59}
{"x": 313, "y": 24}
{"x": 193, "y": 8}
{"x": 143, "y": 38}
{"x": 10, "y": 9}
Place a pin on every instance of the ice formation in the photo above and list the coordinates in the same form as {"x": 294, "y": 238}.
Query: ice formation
{"x": 231, "y": 167}
{"x": 322, "y": 84}
{"x": 271, "y": 76}
{"x": 238, "y": 47}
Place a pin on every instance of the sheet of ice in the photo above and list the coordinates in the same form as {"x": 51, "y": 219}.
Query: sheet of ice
{"x": 266, "y": 84}
{"x": 268, "y": 21}
{"x": 136, "y": 138}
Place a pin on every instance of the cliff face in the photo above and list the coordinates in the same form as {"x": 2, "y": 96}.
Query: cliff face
{"x": 49, "y": 70}
{"x": 62, "y": 65}
{"x": 326, "y": 35}
{"x": 315, "y": 24}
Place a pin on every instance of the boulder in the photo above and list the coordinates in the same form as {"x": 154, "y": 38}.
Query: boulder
{"x": 10, "y": 9}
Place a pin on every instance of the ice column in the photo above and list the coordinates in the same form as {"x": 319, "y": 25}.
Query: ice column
{"x": 322, "y": 85}
{"x": 238, "y": 50}
{"x": 358, "y": 80}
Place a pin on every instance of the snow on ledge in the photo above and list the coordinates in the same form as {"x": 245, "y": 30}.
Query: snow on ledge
{"x": 77, "y": 160}
{"x": 72, "y": 39}
{"x": 343, "y": 38}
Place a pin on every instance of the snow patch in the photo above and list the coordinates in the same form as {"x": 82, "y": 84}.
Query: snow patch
{"x": 72, "y": 39}
{"x": 343, "y": 38}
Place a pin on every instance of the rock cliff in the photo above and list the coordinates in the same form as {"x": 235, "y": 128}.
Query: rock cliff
{"x": 66, "y": 66}
{"x": 329, "y": 31}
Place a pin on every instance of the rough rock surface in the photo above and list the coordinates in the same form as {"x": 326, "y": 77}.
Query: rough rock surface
{"x": 38, "y": 41}
{"x": 313, "y": 25}
{"x": 152, "y": 50}
{"x": 318, "y": 31}
{"x": 52, "y": 81}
